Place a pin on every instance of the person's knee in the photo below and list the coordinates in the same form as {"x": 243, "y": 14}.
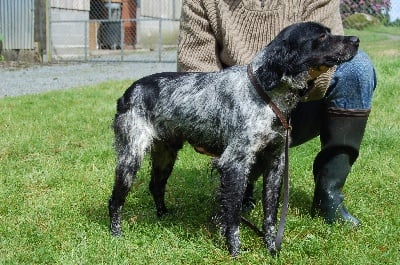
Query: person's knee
{"x": 353, "y": 84}
{"x": 363, "y": 69}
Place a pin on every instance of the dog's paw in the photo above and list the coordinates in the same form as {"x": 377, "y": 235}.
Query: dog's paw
{"x": 234, "y": 248}
{"x": 116, "y": 228}
{"x": 115, "y": 219}
{"x": 162, "y": 212}
{"x": 233, "y": 241}
{"x": 271, "y": 245}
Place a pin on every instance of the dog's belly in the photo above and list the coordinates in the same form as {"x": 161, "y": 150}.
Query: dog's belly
{"x": 209, "y": 133}
{"x": 208, "y": 137}
{"x": 214, "y": 152}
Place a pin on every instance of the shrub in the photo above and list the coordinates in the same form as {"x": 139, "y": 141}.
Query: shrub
{"x": 377, "y": 8}
{"x": 360, "y": 21}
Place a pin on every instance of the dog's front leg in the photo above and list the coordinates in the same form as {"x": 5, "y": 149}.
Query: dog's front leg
{"x": 271, "y": 191}
{"x": 233, "y": 186}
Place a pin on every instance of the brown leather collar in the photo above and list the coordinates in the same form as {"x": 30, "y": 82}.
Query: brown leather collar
{"x": 266, "y": 98}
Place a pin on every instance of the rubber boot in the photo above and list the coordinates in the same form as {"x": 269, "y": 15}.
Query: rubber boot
{"x": 341, "y": 135}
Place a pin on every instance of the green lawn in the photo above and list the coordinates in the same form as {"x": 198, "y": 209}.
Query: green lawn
{"x": 56, "y": 174}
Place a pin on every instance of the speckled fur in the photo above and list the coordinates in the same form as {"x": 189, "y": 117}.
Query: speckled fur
{"x": 222, "y": 113}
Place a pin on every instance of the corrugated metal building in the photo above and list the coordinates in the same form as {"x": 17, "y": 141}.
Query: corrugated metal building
{"x": 17, "y": 24}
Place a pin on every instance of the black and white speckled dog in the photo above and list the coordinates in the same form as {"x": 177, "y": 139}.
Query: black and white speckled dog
{"x": 223, "y": 114}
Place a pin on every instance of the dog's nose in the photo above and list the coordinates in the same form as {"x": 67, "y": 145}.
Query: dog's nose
{"x": 354, "y": 40}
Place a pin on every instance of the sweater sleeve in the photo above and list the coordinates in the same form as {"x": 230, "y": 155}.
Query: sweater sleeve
{"x": 197, "y": 46}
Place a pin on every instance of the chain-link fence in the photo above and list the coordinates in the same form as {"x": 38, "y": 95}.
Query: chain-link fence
{"x": 121, "y": 30}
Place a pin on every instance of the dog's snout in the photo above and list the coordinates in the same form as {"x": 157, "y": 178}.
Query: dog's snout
{"x": 354, "y": 40}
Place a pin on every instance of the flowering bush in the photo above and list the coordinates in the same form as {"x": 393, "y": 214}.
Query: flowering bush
{"x": 377, "y": 8}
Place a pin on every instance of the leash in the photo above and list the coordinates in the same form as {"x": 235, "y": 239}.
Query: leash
{"x": 285, "y": 206}
{"x": 286, "y": 125}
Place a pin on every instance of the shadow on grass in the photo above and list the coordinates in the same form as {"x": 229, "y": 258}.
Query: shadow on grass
{"x": 191, "y": 201}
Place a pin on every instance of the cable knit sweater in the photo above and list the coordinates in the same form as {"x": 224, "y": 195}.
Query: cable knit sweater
{"x": 215, "y": 34}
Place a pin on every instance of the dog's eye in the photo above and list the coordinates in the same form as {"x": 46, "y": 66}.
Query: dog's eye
{"x": 322, "y": 37}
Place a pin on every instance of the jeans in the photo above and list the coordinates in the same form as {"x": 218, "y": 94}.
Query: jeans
{"x": 351, "y": 88}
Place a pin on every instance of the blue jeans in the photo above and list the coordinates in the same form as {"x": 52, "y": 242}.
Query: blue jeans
{"x": 351, "y": 88}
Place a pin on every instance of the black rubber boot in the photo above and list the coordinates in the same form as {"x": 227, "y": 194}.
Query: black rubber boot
{"x": 341, "y": 135}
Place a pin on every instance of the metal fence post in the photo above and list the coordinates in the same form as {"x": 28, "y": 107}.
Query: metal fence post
{"x": 122, "y": 39}
{"x": 109, "y": 10}
{"x": 85, "y": 41}
{"x": 48, "y": 32}
{"x": 159, "y": 39}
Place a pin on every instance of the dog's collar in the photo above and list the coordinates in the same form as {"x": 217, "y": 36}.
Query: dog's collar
{"x": 266, "y": 98}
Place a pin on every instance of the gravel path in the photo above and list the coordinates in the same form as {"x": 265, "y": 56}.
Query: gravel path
{"x": 15, "y": 81}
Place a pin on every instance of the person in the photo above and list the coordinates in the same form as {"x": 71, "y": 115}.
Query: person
{"x": 215, "y": 34}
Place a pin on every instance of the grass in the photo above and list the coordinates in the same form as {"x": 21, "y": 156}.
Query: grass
{"x": 56, "y": 174}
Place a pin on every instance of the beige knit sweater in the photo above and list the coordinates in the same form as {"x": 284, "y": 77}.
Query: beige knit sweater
{"x": 215, "y": 34}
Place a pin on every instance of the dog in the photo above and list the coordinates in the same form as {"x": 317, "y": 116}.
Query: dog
{"x": 225, "y": 114}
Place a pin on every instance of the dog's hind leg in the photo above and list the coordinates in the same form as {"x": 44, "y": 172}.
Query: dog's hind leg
{"x": 124, "y": 176}
{"x": 133, "y": 137}
{"x": 163, "y": 158}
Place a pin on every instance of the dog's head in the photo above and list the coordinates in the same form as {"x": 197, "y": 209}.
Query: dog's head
{"x": 311, "y": 46}
{"x": 306, "y": 47}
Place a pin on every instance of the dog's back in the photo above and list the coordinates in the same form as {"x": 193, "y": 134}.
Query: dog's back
{"x": 145, "y": 91}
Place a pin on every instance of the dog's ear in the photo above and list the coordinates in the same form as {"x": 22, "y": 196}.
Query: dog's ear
{"x": 291, "y": 56}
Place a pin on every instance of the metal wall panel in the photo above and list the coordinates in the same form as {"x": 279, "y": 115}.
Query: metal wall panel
{"x": 17, "y": 24}
{"x": 71, "y": 4}
{"x": 169, "y": 9}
